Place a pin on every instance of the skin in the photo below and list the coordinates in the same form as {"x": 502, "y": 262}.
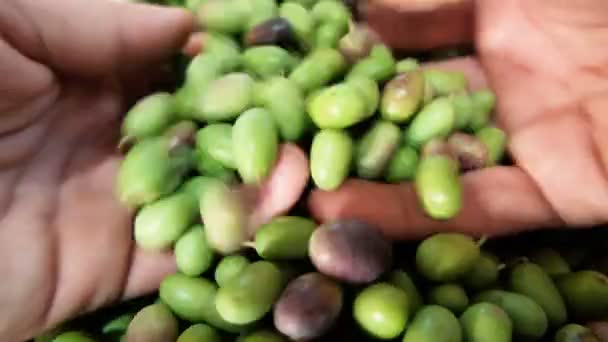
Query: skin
{"x": 547, "y": 64}
{"x": 71, "y": 68}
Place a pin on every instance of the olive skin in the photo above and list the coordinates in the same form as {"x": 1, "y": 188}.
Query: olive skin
{"x": 308, "y": 307}
{"x": 351, "y": 251}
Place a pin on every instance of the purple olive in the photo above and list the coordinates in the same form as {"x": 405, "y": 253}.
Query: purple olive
{"x": 308, "y": 307}
{"x": 275, "y": 31}
{"x": 350, "y": 250}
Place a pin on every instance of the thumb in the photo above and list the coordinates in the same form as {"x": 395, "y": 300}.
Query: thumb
{"x": 90, "y": 38}
{"x": 282, "y": 190}
{"x": 496, "y": 201}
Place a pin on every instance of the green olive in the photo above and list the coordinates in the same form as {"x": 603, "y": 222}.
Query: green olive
{"x": 193, "y": 254}
{"x": 451, "y": 296}
{"x": 215, "y": 140}
{"x": 338, "y": 106}
{"x": 284, "y": 238}
{"x": 255, "y": 144}
{"x": 574, "y": 333}
{"x": 247, "y": 297}
{"x": 331, "y": 155}
{"x": 154, "y": 323}
{"x": 402, "y": 97}
{"x": 446, "y": 256}
{"x": 438, "y": 186}
{"x": 229, "y": 267}
{"x": 199, "y": 333}
{"x": 150, "y": 116}
{"x": 529, "y": 318}
{"x": 382, "y": 310}
{"x": 137, "y": 186}
{"x": 433, "y": 323}
{"x": 531, "y": 280}
{"x": 484, "y": 322}
{"x": 434, "y": 120}
{"x": 159, "y": 225}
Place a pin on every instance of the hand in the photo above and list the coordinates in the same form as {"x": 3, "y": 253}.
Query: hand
{"x": 68, "y": 68}
{"x": 548, "y": 64}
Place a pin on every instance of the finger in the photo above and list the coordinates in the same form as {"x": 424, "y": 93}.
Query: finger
{"x": 496, "y": 201}
{"x": 147, "y": 271}
{"x": 194, "y": 45}
{"x": 284, "y": 186}
{"x": 96, "y": 37}
{"x": 418, "y": 25}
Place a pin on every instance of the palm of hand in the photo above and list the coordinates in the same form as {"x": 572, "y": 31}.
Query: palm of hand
{"x": 65, "y": 239}
{"x": 552, "y": 85}
{"x": 546, "y": 64}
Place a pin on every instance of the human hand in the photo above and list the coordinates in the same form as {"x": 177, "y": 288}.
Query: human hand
{"x": 68, "y": 69}
{"x": 547, "y": 63}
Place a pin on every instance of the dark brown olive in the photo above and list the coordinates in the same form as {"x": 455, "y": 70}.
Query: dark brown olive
{"x": 308, "y": 307}
{"x": 470, "y": 152}
{"x": 275, "y": 31}
{"x": 350, "y": 250}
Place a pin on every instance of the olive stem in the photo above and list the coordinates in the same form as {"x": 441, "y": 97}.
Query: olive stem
{"x": 125, "y": 144}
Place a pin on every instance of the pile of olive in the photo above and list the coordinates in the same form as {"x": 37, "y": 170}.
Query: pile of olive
{"x": 344, "y": 280}
{"x": 303, "y": 72}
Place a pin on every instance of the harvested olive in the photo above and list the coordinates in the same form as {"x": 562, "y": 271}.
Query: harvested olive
{"x": 308, "y": 306}
{"x": 446, "y": 256}
{"x": 153, "y": 323}
{"x": 350, "y": 250}
{"x": 275, "y": 31}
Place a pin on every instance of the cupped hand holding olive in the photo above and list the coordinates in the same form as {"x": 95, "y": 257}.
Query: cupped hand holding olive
{"x": 71, "y": 66}
{"x": 547, "y": 64}
{"x": 69, "y": 69}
